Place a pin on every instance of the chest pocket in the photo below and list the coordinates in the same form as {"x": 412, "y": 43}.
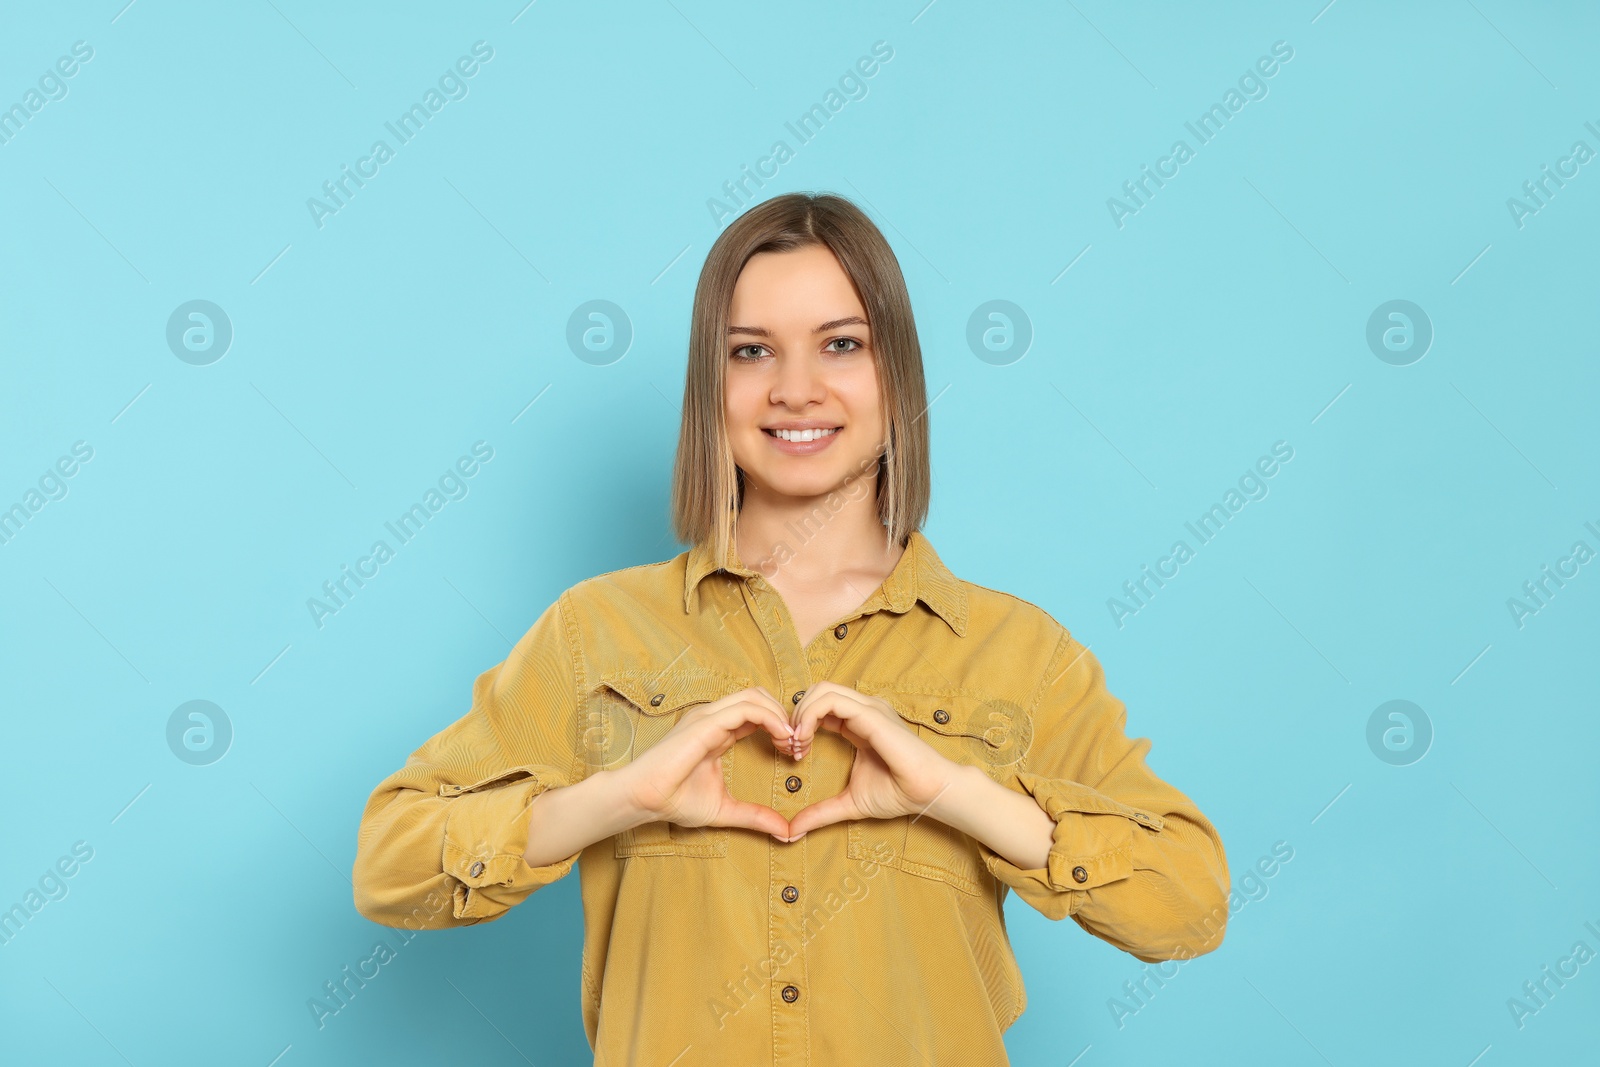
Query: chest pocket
{"x": 630, "y": 710}
{"x": 965, "y": 727}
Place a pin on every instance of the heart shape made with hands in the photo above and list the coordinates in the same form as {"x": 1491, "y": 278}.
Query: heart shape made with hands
{"x": 894, "y": 772}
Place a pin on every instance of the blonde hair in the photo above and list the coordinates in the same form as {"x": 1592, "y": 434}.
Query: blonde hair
{"x": 707, "y": 486}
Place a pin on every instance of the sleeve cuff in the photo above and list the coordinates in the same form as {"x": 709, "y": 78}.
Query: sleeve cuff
{"x": 486, "y": 838}
{"x": 1092, "y": 845}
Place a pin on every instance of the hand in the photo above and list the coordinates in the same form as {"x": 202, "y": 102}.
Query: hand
{"x": 679, "y": 779}
{"x": 895, "y": 772}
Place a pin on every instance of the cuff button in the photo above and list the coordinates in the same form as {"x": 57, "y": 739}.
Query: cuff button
{"x": 1079, "y": 874}
{"x": 477, "y": 869}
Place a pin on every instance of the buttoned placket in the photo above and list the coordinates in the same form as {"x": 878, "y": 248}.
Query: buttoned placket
{"x": 790, "y": 791}
{"x": 786, "y": 866}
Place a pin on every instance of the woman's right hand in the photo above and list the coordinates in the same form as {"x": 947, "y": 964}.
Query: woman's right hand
{"x": 679, "y": 779}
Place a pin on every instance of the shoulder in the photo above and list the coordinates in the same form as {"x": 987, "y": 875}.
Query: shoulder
{"x": 643, "y": 586}
{"x": 985, "y": 609}
{"x": 592, "y": 622}
{"x": 992, "y": 609}
{"x": 603, "y": 612}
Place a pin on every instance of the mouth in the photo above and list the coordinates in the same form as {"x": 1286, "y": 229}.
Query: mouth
{"x": 802, "y": 436}
{"x": 803, "y": 442}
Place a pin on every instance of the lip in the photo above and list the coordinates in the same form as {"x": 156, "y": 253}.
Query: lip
{"x": 802, "y": 424}
{"x": 801, "y": 448}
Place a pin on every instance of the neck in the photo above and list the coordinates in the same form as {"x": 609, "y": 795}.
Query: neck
{"x": 809, "y": 540}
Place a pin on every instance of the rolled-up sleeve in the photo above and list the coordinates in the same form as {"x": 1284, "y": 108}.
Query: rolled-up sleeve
{"x": 442, "y": 840}
{"x": 1132, "y": 860}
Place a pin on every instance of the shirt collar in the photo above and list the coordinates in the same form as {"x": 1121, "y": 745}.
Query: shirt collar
{"x": 919, "y": 575}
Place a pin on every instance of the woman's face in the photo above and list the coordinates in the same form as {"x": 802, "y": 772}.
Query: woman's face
{"x": 799, "y": 358}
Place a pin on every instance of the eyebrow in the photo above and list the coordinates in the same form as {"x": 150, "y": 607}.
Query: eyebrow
{"x": 757, "y": 331}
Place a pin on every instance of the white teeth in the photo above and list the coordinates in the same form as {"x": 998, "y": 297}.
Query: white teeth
{"x": 803, "y": 435}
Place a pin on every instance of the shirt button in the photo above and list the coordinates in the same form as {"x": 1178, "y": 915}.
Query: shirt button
{"x": 1079, "y": 874}
{"x": 790, "y": 894}
{"x": 796, "y": 698}
{"x": 941, "y": 716}
{"x": 791, "y": 994}
{"x": 792, "y": 783}
{"x": 476, "y": 869}
{"x": 655, "y": 701}
{"x": 840, "y": 630}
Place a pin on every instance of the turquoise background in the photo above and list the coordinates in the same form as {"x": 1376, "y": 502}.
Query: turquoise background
{"x": 1229, "y": 313}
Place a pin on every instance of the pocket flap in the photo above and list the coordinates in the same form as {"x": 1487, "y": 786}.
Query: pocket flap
{"x": 952, "y": 712}
{"x": 658, "y": 692}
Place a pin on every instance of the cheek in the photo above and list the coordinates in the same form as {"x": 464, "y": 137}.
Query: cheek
{"x": 742, "y": 407}
{"x": 740, "y": 402}
{"x": 859, "y": 392}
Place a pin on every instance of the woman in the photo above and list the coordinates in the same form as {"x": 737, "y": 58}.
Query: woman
{"x": 801, "y": 763}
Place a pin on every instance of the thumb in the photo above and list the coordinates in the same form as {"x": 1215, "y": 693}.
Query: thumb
{"x": 838, "y": 808}
{"x": 752, "y": 817}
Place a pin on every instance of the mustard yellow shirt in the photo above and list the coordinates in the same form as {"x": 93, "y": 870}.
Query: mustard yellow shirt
{"x": 880, "y": 941}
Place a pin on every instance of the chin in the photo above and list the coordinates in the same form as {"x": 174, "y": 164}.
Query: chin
{"x": 812, "y": 483}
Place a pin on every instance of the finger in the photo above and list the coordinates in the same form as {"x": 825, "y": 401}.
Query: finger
{"x": 816, "y": 691}
{"x": 837, "y": 701}
{"x": 748, "y": 717}
{"x": 745, "y": 698}
{"x": 765, "y": 694}
{"x": 728, "y": 739}
{"x": 721, "y": 742}
{"x": 752, "y": 817}
{"x": 760, "y": 695}
{"x": 837, "y": 808}
{"x": 755, "y": 695}
{"x": 714, "y": 735}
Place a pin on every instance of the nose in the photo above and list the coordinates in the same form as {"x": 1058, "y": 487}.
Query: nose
{"x": 799, "y": 381}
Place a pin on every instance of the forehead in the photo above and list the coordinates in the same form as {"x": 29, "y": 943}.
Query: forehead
{"x": 797, "y": 289}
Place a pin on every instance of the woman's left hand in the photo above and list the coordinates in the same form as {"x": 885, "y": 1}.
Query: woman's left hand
{"x": 895, "y": 772}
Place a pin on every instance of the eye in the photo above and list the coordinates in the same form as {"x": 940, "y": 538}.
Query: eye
{"x": 847, "y": 340}
{"x": 742, "y": 354}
